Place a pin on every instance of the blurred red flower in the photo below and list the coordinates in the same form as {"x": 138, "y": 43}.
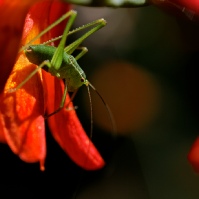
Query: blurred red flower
{"x": 193, "y": 155}
{"x": 190, "y": 8}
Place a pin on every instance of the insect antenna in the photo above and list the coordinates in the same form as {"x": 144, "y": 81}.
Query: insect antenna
{"x": 112, "y": 120}
{"x": 91, "y": 111}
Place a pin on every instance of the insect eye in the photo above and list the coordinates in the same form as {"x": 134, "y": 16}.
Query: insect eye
{"x": 29, "y": 49}
{"x": 82, "y": 79}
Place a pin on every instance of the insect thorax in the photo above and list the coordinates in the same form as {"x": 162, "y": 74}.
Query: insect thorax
{"x": 69, "y": 69}
{"x": 72, "y": 73}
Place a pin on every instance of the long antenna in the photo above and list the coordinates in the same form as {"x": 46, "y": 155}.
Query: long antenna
{"x": 107, "y": 108}
{"x": 91, "y": 112}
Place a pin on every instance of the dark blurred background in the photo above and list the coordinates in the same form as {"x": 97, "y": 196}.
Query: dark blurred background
{"x": 145, "y": 65}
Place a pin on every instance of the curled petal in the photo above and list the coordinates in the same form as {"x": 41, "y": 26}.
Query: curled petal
{"x": 68, "y": 131}
{"x": 2, "y": 136}
{"x": 191, "y": 4}
{"x": 193, "y": 155}
{"x": 40, "y": 16}
{"x": 58, "y": 9}
{"x": 22, "y": 112}
{"x": 12, "y": 14}
{"x": 21, "y": 115}
{"x": 65, "y": 126}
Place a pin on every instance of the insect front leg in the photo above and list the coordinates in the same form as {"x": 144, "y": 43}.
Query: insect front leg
{"x": 45, "y": 63}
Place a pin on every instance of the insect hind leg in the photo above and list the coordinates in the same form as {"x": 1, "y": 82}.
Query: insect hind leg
{"x": 83, "y": 51}
{"x": 96, "y": 25}
{"x": 61, "y": 106}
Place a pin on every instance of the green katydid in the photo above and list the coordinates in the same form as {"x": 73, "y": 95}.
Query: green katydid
{"x": 59, "y": 62}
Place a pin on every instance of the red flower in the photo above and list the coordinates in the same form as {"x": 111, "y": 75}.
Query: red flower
{"x": 21, "y": 112}
{"x": 11, "y": 26}
{"x": 189, "y": 7}
{"x": 191, "y": 4}
{"x": 193, "y": 155}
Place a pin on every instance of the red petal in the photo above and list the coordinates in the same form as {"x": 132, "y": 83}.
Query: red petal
{"x": 12, "y": 14}
{"x": 193, "y": 155}
{"x": 68, "y": 131}
{"x": 191, "y": 4}
{"x": 65, "y": 125}
{"x": 57, "y": 10}
{"x": 22, "y": 114}
{"x": 189, "y": 8}
{"x": 41, "y": 15}
{"x": 2, "y": 136}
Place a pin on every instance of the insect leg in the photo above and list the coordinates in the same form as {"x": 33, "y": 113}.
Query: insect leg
{"x": 83, "y": 51}
{"x": 61, "y": 104}
{"x": 98, "y": 24}
{"x": 65, "y": 16}
{"x": 93, "y": 23}
{"x": 45, "y": 63}
{"x": 71, "y": 99}
{"x": 58, "y": 55}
